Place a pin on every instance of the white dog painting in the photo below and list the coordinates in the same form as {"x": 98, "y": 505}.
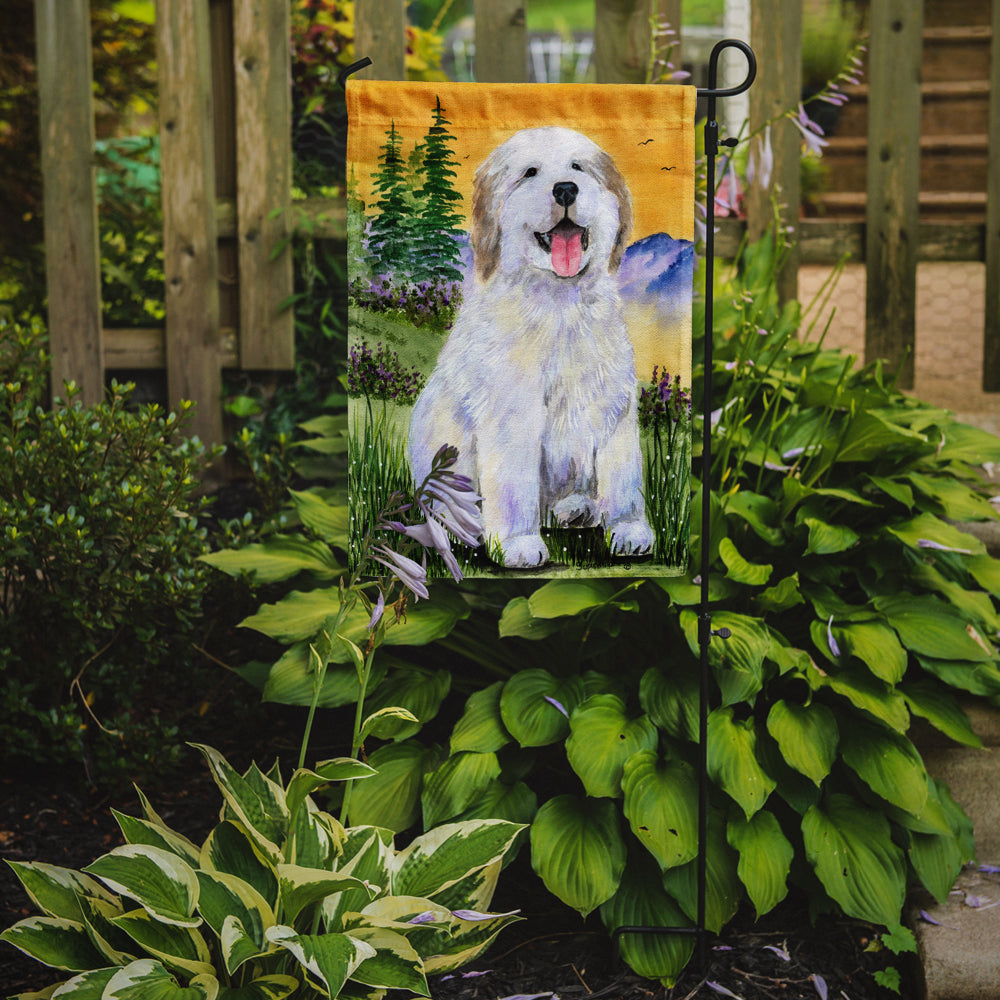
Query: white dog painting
{"x": 536, "y": 383}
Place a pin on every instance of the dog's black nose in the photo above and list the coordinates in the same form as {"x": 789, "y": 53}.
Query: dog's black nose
{"x": 565, "y": 193}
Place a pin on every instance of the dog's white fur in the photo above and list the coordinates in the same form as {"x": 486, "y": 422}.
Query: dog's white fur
{"x": 536, "y": 384}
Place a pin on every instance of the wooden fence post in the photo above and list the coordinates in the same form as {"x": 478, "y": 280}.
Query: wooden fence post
{"x": 190, "y": 251}
{"x": 776, "y": 35}
{"x": 72, "y": 255}
{"x": 621, "y": 40}
{"x": 501, "y": 41}
{"x": 380, "y": 34}
{"x": 991, "y": 332}
{"x": 893, "y": 183}
{"x": 262, "y": 61}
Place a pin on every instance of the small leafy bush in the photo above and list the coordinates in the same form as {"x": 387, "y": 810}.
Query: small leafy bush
{"x": 433, "y": 303}
{"x": 99, "y": 575}
{"x": 280, "y": 899}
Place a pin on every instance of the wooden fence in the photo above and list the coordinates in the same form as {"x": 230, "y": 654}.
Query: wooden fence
{"x": 226, "y": 160}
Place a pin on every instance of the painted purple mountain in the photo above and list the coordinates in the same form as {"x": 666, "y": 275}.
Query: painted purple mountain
{"x": 657, "y": 268}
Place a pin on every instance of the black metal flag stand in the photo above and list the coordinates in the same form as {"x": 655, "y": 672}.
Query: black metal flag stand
{"x": 705, "y": 631}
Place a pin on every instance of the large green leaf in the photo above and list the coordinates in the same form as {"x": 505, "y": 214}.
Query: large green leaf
{"x": 807, "y": 736}
{"x": 671, "y": 699}
{"x": 417, "y": 689}
{"x": 535, "y": 706}
{"x": 870, "y": 435}
{"x": 851, "y": 850}
{"x": 732, "y": 760}
{"x": 739, "y": 569}
{"x": 932, "y": 628}
{"x": 517, "y": 620}
{"x": 481, "y": 728}
{"x": 866, "y": 692}
{"x": 641, "y": 901}
{"x": 828, "y": 539}
{"x": 661, "y": 806}
{"x": 164, "y": 885}
{"x": 56, "y": 891}
{"x": 876, "y": 646}
{"x": 957, "y": 501}
{"x": 456, "y": 784}
{"x": 278, "y": 558}
{"x": 723, "y": 889}
{"x": 147, "y": 979}
{"x": 438, "y": 859}
{"x": 941, "y": 709}
{"x": 391, "y": 798}
{"x": 275, "y": 987}
{"x": 329, "y": 521}
{"x": 292, "y": 679}
{"x": 976, "y": 678}
{"x": 765, "y": 858}
{"x": 888, "y": 763}
{"x": 738, "y": 661}
{"x": 925, "y": 528}
{"x": 516, "y": 803}
{"x": 559, "y": 598}
{"x": 602, "y": 737}
{"x": 578, "y": 851}
{"x": 55, "y": 941}
{"x": 330, "y": 959}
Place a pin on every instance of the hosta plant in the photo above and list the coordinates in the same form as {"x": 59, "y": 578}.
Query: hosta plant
{"x": 279, "y": 900}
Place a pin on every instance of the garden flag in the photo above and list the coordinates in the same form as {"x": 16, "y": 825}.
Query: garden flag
{"x": 520, "y": 271}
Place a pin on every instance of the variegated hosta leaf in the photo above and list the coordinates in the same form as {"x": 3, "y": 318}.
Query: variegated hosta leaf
{"x": 141, "y": 831}
{"x": 300, "y": 887}
{"x": 315, "y": 838}
{"x": 329, "y": 959}
{"x": 732, "y": 760}
{"x": 275, "y": 987}
{"x": 230, "y": 849}
{"x": 642, "y": 902}
{"x": 469, "y": 938}
{"x": 158, "y": 880}
{"x": 850, "y": 847}
{"x": 367, "y": 853}
{"x": 441, "y": 857}
{"x": 56, "y": 891}
{"x": 256, "y": 801}
{"x": 661, "y": 800}
{"x": 86, "y": 986}
{"x": 116, "y": 946}
{"x": 723, "y": 889}
{"x": 395, "y": 964}
{"x": 481, "y": 727}
{"x": 765, "y": 858}
{"x": 807, "y": 736}
{"x": 54, "y": 941}
{"x": 225, "y": 897}
{"x": 456, "y": 784}
{"x": 602, "y": 737}
{"x": 417, "y": 690}
{"x": 149, "y": 980}
{"x": 578, "y": 851}
{"x": 177, "y": 947}
{"x": 535, "y": 706}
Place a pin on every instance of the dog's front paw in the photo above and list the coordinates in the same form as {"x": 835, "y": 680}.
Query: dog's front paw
{"x": 631, "y": 538}
{"x": 524, "y": 551}
{"x": 575, "y": 511}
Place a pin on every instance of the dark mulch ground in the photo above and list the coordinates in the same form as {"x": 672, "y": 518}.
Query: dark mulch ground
{"x": 551, "y": 951}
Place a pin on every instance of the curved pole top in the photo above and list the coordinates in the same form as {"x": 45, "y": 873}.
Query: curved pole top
{"x": 713, "y": 69}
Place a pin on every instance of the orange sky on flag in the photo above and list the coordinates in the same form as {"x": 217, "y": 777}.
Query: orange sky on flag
{"x": 647, "y": 130}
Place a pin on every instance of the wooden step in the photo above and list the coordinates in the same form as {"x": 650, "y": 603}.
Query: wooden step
{"x": 958, "y": 206}
{"x": 945, "y": 12}
{"x": 947, "y": 162}
{"x": 945, "y": 104}
{"x": 956, "y": 53}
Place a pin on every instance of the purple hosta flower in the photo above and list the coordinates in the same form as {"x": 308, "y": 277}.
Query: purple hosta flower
{"x": 820, "y": 985}
{"x": 927, "y": 543}
{"x": 728, "y": 196}
{"x": 831, "y": 642}
{"x": 782, "y": 953}
{"x": 760, "y": 165}
{"x": 476, "y": 916}
{"x": 559, "y": 705}
{"x": 719, "y": 988}
{"x": 812, "y": 134}
{"x": 377, "y": 612}
{"x": 411, "y": 574}
{"x": 427, "y": 917}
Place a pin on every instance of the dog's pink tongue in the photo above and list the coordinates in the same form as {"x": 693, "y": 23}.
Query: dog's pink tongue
{"x": 567, "y": 252}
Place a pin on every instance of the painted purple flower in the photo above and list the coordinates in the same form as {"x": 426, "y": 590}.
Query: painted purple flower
{"x": 431, "y": 535}
{"x": 411, "y": 574}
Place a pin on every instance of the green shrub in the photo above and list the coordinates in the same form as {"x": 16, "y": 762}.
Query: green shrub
{"x": 279, "y": 900}
{"x": 854, "y": 605}
{"x": 99, "y": 542}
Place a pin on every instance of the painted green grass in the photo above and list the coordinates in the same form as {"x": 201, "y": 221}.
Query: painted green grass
{"x": 379, "y": 468}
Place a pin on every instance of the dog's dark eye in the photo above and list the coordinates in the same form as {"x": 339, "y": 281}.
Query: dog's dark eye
{"x": 576, "y": 166}
{"x": 531, "y": 171}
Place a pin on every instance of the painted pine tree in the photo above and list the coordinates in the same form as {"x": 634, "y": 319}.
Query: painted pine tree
{"x": 435, "y": 228}
{"x": 390, "y": 237}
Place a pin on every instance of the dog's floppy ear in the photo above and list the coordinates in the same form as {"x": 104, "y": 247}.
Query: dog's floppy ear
{"x": 615, "y": 183}
{"x": 485, "y": 232}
